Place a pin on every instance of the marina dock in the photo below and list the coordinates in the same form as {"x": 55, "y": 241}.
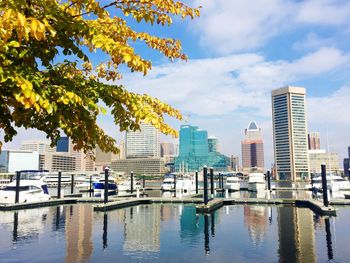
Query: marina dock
{"x": 117, "y": 202}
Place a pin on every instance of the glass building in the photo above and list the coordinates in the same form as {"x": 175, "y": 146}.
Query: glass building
{"x": 195, "y": 151}
{"x": 62, "y": 145}
{"x": 290, "y": 133}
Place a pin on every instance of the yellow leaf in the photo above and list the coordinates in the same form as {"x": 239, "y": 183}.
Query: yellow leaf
{"x": 21, "y": 19}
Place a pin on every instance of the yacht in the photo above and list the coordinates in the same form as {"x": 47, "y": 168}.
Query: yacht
{"x": 168, "y": 184}
{"x": 99, "y": 186}
{"x": 84, "y": 183}
{"x": 256, "y": 182}
{"x": 52, "y": 179}
{"x": 233, "y": 183}
{"x": 126, "y": 185}
{"x": 182, "y": 184}
{"x": 29, "y": 191}
{"x": 334, "y": 183}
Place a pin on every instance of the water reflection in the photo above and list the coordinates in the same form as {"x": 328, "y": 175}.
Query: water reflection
{"x": 206, "y": 234}
{"x": 78, "y": 232}
{"x": 141, "y": 233}
{"x": 255, "y": 218}
{"x": 105, "y": 229}
{"x": 296, "y": 235}
{"x": 161, "y": 232}
{"x": 329, "y": 239}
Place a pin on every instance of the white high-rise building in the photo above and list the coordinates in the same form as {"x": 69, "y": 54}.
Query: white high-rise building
{"x": 40, "y": 146}
{"x": 290, "y": 133}
{"x": 144, "y": 143}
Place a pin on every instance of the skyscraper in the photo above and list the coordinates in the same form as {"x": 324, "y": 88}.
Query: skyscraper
{"x": 290, "y": 133}
{"x": 143, "y": 143}
{"x": 314, "y": 141}
{"x": 194, "y": 151}
{"x": 253, "y": 148}
{"x": 167, "y": 149}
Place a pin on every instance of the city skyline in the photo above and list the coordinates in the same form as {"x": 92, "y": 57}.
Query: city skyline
{"x": 231, "y": 72}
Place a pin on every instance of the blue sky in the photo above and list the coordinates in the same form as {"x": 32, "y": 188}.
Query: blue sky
{"x": 238, "y": 52}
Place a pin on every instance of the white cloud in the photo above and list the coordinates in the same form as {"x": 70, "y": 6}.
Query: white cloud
{"x": 231, "y": 26}
{"x": 324, "y": 12}
{"x": 312, "y": 41}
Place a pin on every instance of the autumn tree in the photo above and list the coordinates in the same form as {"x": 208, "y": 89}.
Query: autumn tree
{"x": 37, "y": 92}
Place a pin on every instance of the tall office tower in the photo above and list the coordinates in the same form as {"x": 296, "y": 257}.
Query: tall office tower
{"x": 349, "y": 152}
{"x": 213, "y": 144}
{"x": 290, "y": 133}
{"x": 253, "y": 148}
{"x": 346, "y": 165}
{"x": 314, "y": 141}
{"x": 143, "y": 143}
{"x": 167, "y": 149}
{"x": 40, "y": 146}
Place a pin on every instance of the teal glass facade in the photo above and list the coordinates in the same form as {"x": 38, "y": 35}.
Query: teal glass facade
{"x": 194, "y": 151}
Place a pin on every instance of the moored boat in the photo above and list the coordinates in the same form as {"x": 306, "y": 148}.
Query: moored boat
{"x": 334, "y": 183}
{"x": 233, "y": 183}
{"x": 29, "y": 191}
{"x": 99, "y": 186}
{"x": 256, "y": 182}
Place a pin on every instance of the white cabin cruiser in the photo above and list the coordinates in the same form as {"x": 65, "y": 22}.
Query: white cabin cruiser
{"x": 182, "y": 184}
{"x": 256, "y": 182}
{"x": 126, "y": 185}
{"x": 29, "y": 191}
{"x": 334, "y": 183}
{"x": 233, "y": 183}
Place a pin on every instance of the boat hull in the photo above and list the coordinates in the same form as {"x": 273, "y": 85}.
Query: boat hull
{"x": 256, "y": 186}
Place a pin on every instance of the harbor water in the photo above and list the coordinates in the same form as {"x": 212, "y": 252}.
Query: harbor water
{"x": 173, "y": 233}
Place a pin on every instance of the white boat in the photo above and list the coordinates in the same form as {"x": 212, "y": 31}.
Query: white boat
{"x": 256, "y": 182}
{"x": 185, "y": 184}
{"x": 29, "y": 191}
{"x": 52, "y": 180}
{"x": 4, "y": 182}
{"x": 126, "y": 186}
{"x": 334, "y": 183}
{"x": 233, "y": 183}
{"x": 168, "y": 184}
{"x": 84, "y": 183}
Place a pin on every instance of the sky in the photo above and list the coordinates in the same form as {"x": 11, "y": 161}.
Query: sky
{"x": 239, "y": 51}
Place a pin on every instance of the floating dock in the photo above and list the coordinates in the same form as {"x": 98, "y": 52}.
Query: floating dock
{"x": 117, "y": 202}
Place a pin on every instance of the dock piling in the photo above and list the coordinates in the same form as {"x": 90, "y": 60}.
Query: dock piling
{"x": 205, "y": 175}
{"x": 105, "y": 200}
{"x": 90, "y": 189}
{"x": 59, "y": 184}
{"x": 212, "y": 182}
{"x": 268, "y": 180}
{"x": 72, "y": 184}
{"x": 18, "y": 178}
{"x": 132, "y": 182}
{"x": 329, "y": 239}
{"x": 174, "y": 185}
{"x": 206, "y": 234}
{"x": 324, "y": 185}
{"x": 196, "y": 182}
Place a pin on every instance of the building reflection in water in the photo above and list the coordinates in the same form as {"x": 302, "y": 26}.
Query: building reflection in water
{"x": 78, "y": 229}
{"x": 256, "y": 219}
{"x": 141, "y": 233}
{"x": 25, "y": 225}
{"x": 296, "y": 235}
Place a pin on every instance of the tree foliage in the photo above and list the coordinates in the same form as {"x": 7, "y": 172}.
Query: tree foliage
{"x": 36, "y": 92}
